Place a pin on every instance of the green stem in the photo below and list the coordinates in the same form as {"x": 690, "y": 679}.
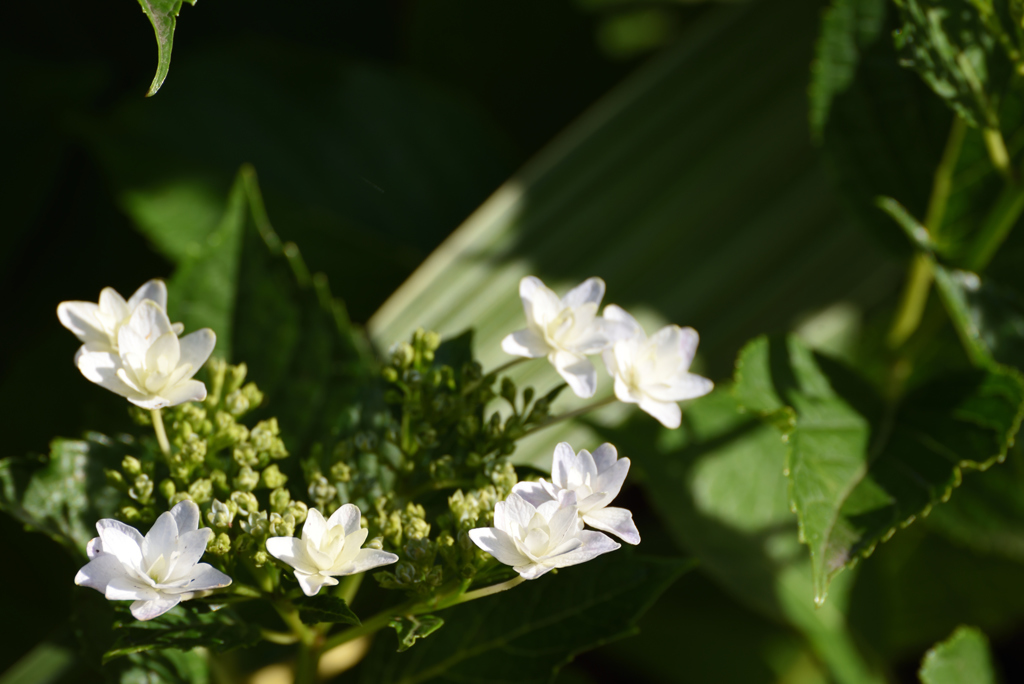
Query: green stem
{"x": 569, "y": 415}
{"x": 488, "y": 591}
{"x": 500, "y": 369}
{"x": 998, "y": 224}
{"x": 278, "y": 637}
{"x": 997, "y": 152}
{"x": 161, "y": 434}
{"x": 306, "y": 663}
{"x": 919, "y": 278}
{"x": 350, "y": 587}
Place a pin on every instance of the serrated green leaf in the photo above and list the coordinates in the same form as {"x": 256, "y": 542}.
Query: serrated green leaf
{"x": 183, "y": 628}
{"x": 528, "y": 633}
{"x": 413, "y": 628}
{"x": 63, "y": 494}
{"x": 847, "y": 28}
{"x": 163, "y": 15}
{"x": 719, "y": 485}
{"x": 848, "y": 494}
{"x": 964, "y": 658}
{"x": 325, "y": 608}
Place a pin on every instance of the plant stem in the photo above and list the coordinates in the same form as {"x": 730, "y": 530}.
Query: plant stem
{"x": 500, "y": 369}
{"x": 998, "y": 224}
{"x": 306, "y": 663}
{"x": 350, "y": 587}
{"x": 570, "y": 414}
{"x": 488, "y": 591}
{"x": 919, "y": 278}
{"x": 997, "y": 152}
{"x": 278, "y": 637}
{"x": 161, "y": 434}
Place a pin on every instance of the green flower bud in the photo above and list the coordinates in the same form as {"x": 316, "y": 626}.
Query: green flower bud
{"x": 235, "y": 377}
{"x": 434, "y": 576}
{"x": 217, "y": 370}
{"x": 178, "y": 498}
{"x": 193, "y": 450}
{"x": 247, "y": 479}
{"x": 279, "y": 500}
{"x": 115, "y": 479}
{"x": 201, "y": 490}
{"x": 527, "y": 396}
{"x": 131, "y": 465}
{"x": 220, "y": 481}
{"x": 245, "y": 455}
{"x": 375, "y": 543}
{"x": 321, "y": 491}
{"x": 219, "y": 544}
{"x": 389, "y": 374}
{"x": 236, "y": 403}
{"x": 167, "y": 488}
{"x": 405, "y": 573}
{"x": 431, "y": 340}
{"x": 419, "y": 551}
{"x": 243, "y": 543}
{"x": 298, "y": 511}
{"x": 142, "y": 489}
{"x": 220, "y": 514}
{"x": 245, "y": 501}
{"x": 256, "y": 525}
{"x": 260, "y": 558}
{"x": 443, "y": 468}
{"x": 129, "y": 514}
{"x": 140, "y": 416}
{"x": 341, "y": 472}
{"x": 264, "y": 435}
{"x": 402, "y": 355}
{"x": 272, "y": 477}
{"x": 508, "y": 390}
{"x": 281, "y": 525}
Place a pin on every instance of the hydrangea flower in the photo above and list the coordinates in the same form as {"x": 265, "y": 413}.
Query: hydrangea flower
{"x": 654, "y": 373}
{"x": 97, "y": 325}
{"x": 327, "y": 549}
{"x": 152, "y": 368}
{"x": 564, "y": 330}
{"x": 595, "y": 480}
{"x": 157, "y": 571}
{"x": 537, "y": 539}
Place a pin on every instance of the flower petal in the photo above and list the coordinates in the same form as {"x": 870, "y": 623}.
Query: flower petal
{"x": 112, "y": 303}
{"x": 161, "y": 540}
{"x": 190, "y": 390}
{"x": 98, "y": 572}
{"x": 563, "y": 526}
{"x": 80, "y": 318}
{"x": 347, "y": 516}
{"x": 125, "y": 588}
{"x": 667, "y": 412}
{"x": 683, "y": 386}
{"x": 673, "y": 341}
{"x": 292, "y": 551}
{"x": 101, "y": 368}
{"x": 618, "y": 521}
{"x": 577, "y": 371}
{"x": 196, "y": 348}
{"x": 562, "y": 464}
{"x": 533, "y": 570}
{"x": 594, "y": 544}
{"x": 314, "y": 528}
{"x": 147, "y": 323}
{"x": 605, "y": 456}
{"x": 165, "y": 348}
{"x": 186, "y": 516}
{"x": 367, "y": 559}
{"x": 94, "y": 547}
{"x": 311, "y": 583}
{"x": 610, "y": 479}
{"x": 540, "y": 304}
{"x": 515, "y": 509}
{"x": 205, "y": 577}
{"x": 154, "y": 290}
{"x": 590, "y": 291}
{"x": 122, "y": 540}
{"x": 533, "y": 493}
{"x": 147, "y": 610}
{"x": 190, "y": 548}
{"x": 499, "y": 544}
{"x": 526, "y": 343}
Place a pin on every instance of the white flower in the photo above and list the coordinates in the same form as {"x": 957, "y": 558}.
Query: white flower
{"x": 152, "y": 367}
{"x": 564, "y": 330}
{"x": 327, "y": 549}
{"x": 537, "y": 539}
{"x": 595, "y": 479}
{"x": 654, "y": 373}
{"x": 157, "y": 571}
{"x": 97, "y": 325}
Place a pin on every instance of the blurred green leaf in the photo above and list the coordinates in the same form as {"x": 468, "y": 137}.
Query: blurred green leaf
{"x": 325, "y": 608}
{"x": 964, "y": 658}
{"x": 528, "y": 633}
{"x": 63, "y": 494}
{"x": 168, "y": 666}
{"x": 163, "y": 15}
{"x": 183, "y": 628}
{"x": 850, "y": 495}
{"x": 847, "y": 28}
{"x": 413, "y": 628}
{"x": 46, "y": 663}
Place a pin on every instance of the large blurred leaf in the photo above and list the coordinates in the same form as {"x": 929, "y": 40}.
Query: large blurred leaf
{"x": 720, "y": 487}
{"x": 963, "y": 658}
{"x": 528, "y": 633}
{"x": 860, "y": 471}
{"x": 183, "y": 628}
{"x": 702, "y": 203}
{"x": 366, "y": 168}
{"x": 63, "y": 494}
{"x": 163, "y": 15}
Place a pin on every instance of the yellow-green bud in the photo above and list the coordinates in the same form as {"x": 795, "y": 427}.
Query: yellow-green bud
{"x": 178, "y": 498}
{"x": 402, "y": 355}
{"x": 131, "y": 466}
{"x": 298, "y": 510}
{"x": 245, "y": 455}
{"x": 247, "y": 479}
{"x": 219, "y": 544}
{"x": 279, "y": 500}
{"x": 245, "y": 501}
{"x": 193, "y": 450}
{"x": 220, "y": 481}
{"x": 220, "y": 514}
{"x": 166, "y": 488}
{"x": 142, "y": 489}
{"x": 201, "y": 491}
{"x": 321, "y": 491}
{"x": 431, "y": 340}
{"x": 260, "y": 558}
{"x": 235, "y": 377}
{"x": 217, "y": 370}
{"x": 129, "y": 514}
{"x": 281, "y": 525}
{"x": 256, "y": 524}
{"x": 389, "y": 374}
{"x": 375, "y": 543}
{"x": 272, "y": 477}
{"x": 115, "y": 478}
{"x": 341, "y": 472}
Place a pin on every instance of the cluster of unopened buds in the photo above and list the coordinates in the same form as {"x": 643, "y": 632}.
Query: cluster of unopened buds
{"x": 131, "y": 348}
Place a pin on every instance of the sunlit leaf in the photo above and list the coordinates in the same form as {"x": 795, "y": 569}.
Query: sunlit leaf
{"x": 964, "y": 658}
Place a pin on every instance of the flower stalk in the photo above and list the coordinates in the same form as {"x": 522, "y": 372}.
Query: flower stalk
{"x": 161, "y": 433}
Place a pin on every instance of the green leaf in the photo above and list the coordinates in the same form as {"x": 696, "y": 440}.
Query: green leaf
{"x": 528, "y": 633}
{"x": 718, "y": 483}
{"x": 325, "y": 608}
{"x": 847, "y": 28}
{"x": 183, "y": 628}
{"x": 168, "y": 666}
{"x": 415, "y": 627}
{"x": 850, "y": 495}
{"x": 163, "y": 16}
{"x": 954, "y": 49}
{"x": 963, "y": 658}
{"x": 46, "y": 663}
{"x": 63, "y": 494}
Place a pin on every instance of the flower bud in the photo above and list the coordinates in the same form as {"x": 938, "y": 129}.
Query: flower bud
{"x": 201, "y": 490}
{"x": 193, "y": 450}
{"x": 247, "y": 479}
{"x": 235, "y": 377}
{"x": 279, "y": 500}
{"x": 245, "y": 501}
{"x": 321, "y": 491}
{"x": 405, "y": 573}
{"x": 260, "y": 558}
{"x": 115, "y": 479}
{"x": 341, "y": 472}
{"x": 402, "y": 355}
{"x": 389, "y": 374}
{"x": 142, "y": 489}
{"x": 298, "y": 510}
{"x": 236, "y": 403}
{"x": 220, "y": 514}
{"x": 431, "y": 340}
{"x": 129, "y": 514}
{"x": 131, "y": 465}
{"x": 256, "y": 524}
{"x": 216, "y": 369}
{"x": 281, "y": 525}
{"x": 178, "y": 498}
{"x": 375, "y": 543}
{"x": 220, "y": 481}
{"x": 245, "y": 455}
{"x": 272, "y": 478}
{"x": 219, "y": 544}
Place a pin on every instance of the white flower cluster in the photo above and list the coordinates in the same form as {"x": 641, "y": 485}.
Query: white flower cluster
{"x": 131, "y": 348}
{"x": 540, "y": 526}
{"x": 653, "y": 373}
